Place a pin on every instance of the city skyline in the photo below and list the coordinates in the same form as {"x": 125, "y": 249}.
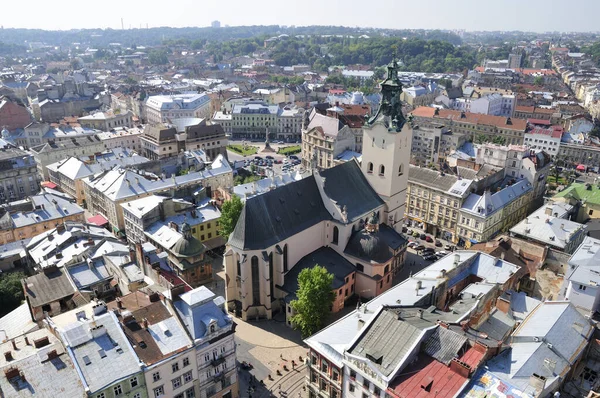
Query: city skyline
{"x": 472, "y": 15}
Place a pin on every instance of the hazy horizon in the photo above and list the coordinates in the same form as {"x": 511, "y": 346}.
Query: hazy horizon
{"x": 472, "y": 15}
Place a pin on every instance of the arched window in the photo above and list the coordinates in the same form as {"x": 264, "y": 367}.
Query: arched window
{"x": 285, "y": 259}
{"x": 381, "y": 169}
{"x": 370, "y": 168}
{"x": 336, "y": 235}
{"x": 386, "y": 269}
{"x": 255, "y": 281}
{"x": 401, "y": 169}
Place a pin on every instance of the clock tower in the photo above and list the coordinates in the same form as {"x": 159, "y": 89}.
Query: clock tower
{"x": 387, "y": 141}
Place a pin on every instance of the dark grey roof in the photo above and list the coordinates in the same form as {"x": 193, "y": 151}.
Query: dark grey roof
{"x": 497, "y": 326}
{"x": 431, "y": 178}
{"x": 386, "y": 341}
{"x": 160, "y": 132}
{"x": 49, "y": 286}
{"x": 444, "y": 344}
{"x": 272, "y": 217}
{"x": 369, "y": 247}
{"x": 392, "y": 238}
{"x": 325, "y": 257}
{"x": 347, "y": 186}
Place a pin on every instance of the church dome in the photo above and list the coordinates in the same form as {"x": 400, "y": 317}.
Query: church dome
{"x": 369, "y": 246}
{"x": 189, "y": 247}
{"x": 357, "y": 98}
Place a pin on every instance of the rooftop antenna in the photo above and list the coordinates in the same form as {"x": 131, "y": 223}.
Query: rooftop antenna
{"x": 122, "y": 27}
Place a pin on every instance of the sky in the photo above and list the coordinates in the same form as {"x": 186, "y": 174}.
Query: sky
{"x": 470, "y": 15}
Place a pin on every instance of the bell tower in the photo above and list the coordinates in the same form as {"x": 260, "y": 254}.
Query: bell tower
{"x": 387, "y": 141}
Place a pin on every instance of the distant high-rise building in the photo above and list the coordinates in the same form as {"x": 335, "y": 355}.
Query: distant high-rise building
{"x": 514, "y": 61}
{"x": 215, "y": 24}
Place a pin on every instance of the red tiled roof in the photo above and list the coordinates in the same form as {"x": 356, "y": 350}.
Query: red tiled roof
{"x": 528, "y": 109}
{"x": 444, "y": 381}
{"x": 474, "y": 118}
{"x": 98, "y": 220}
{"x": 525, "y": 71}
{"x": 554, "y": 133}
{"x": 48, "y": 184}
{"x": 539, "y": 121}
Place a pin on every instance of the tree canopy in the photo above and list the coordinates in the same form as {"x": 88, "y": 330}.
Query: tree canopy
{"x": 230, "y": 212}
{"x": 11, "y": 291}
{"x": 314, "y": 299}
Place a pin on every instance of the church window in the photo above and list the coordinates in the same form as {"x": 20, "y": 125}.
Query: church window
{"x": 360, "y": 267}
{"x": 285, "y": 258}
{"x": 370, "y": 168}
{"x": 401, "y": 169}
{"x": 336, "y": 234}
{"x": 271, "y": 280}
{"x": 255, "y": 281}
{"x": 381, "y": 170}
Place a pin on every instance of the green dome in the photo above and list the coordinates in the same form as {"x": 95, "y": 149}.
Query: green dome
{"x": 189, "y": 247}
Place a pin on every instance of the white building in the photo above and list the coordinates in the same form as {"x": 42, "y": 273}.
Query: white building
{"x": 161, "y": 108}
{"x": 547, "y": 140}
{"x": 122, "y": 138}
{"x": 107, "y": 121}
{"x": 581, "y": 281}
{"x": 212, "y": 329}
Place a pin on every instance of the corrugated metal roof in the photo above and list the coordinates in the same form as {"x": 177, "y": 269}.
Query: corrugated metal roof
{"x": 444, "y": 344}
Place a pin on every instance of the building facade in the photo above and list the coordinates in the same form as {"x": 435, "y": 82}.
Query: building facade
{"x": 161, "y": 108}
{"x": 107, "y": 121}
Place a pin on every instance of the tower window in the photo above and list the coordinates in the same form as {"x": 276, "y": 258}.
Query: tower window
{"x": 336, "y": 234}
{"x": 381, "y": 170}
{"x": 370, "y": 168}
{"x": 401, "y": 169}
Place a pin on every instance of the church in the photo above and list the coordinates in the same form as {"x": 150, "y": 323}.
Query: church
{"x": 347, "y": 219}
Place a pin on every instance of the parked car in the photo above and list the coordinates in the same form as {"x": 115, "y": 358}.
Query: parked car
{"x": 449, "y": 247}
{"x": 430, "y": 257}
{"x": 257, "y": 158}
{"x": 416, "y": 234}
{"x": 412, "y": 243}
{"x": 438, "y": 243}
{"x": 409, "y": 232}
{"x": 404, "y": 229}
{"x": 278, "y": 161}
{"x": 441, "y": 253}
{"x": 269, "y": 157}
{"x": 294, "y": 157}
{"x": 422, "y": 236}
{"x": 428, "y": 239}
{"x": 419, "y": 247}
{"x": 427, "y": 250}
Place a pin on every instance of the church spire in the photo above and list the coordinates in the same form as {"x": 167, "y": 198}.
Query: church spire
{"x": 390, "y": 108}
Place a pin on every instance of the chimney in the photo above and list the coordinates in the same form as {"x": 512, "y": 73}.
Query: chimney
{"x": 8, "y": 356}
{"x": 99, "y": 309}
{"x": 537, "y": 382}
{"x": 119, "y": 303}
{"x": 27, "y": 341}
{"x": 98, "y": 331}
{"x": 503, "y": 304}
{"x": 456, "y": 259}
{"x": 14, "y": 344}
{"x": 548, "y": 210}
{"x": 145, "y": 323}
{"x": 420, "y": 313}
{"x": 460, "y": 368}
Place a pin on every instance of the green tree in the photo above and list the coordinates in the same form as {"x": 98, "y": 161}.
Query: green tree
{"x": 11, "y": 291}
{"x": 538, "y": 81}
{"x": 230, "y": 212}
{"x": 314, "y": 299}
{"x": 158, "y": 57}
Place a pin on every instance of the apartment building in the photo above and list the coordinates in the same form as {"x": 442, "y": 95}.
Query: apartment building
{"x": 202, "y": 217}
{"x": 324, "y": 139}
{"x": 512, "y": 130}
{"x": 545, "y": 139}
{"x": 69, "y": 173}
{"x": 18, "y": 173}
{"x": 106, "y": 121}
{"x": 161, "y": 108}
{"x": 163, "y": 140}
{"x": 122, "y": 138}
{"x": 432, "y": 144}
{"x": 54, "y": 151}
{"x": 106, "y": 192}
{"x": 212, "y": 330}
{"x": 250, "y": 119}
{"x": 167, "y": 352}
{"x": 434, "y": 200}
{"x": 481, "y": 217}
{"x": 36, "y": 214}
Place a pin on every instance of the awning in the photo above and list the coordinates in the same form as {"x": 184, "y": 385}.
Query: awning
{"x": 48, "y": 184}
{"x": 98, "y": 220}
